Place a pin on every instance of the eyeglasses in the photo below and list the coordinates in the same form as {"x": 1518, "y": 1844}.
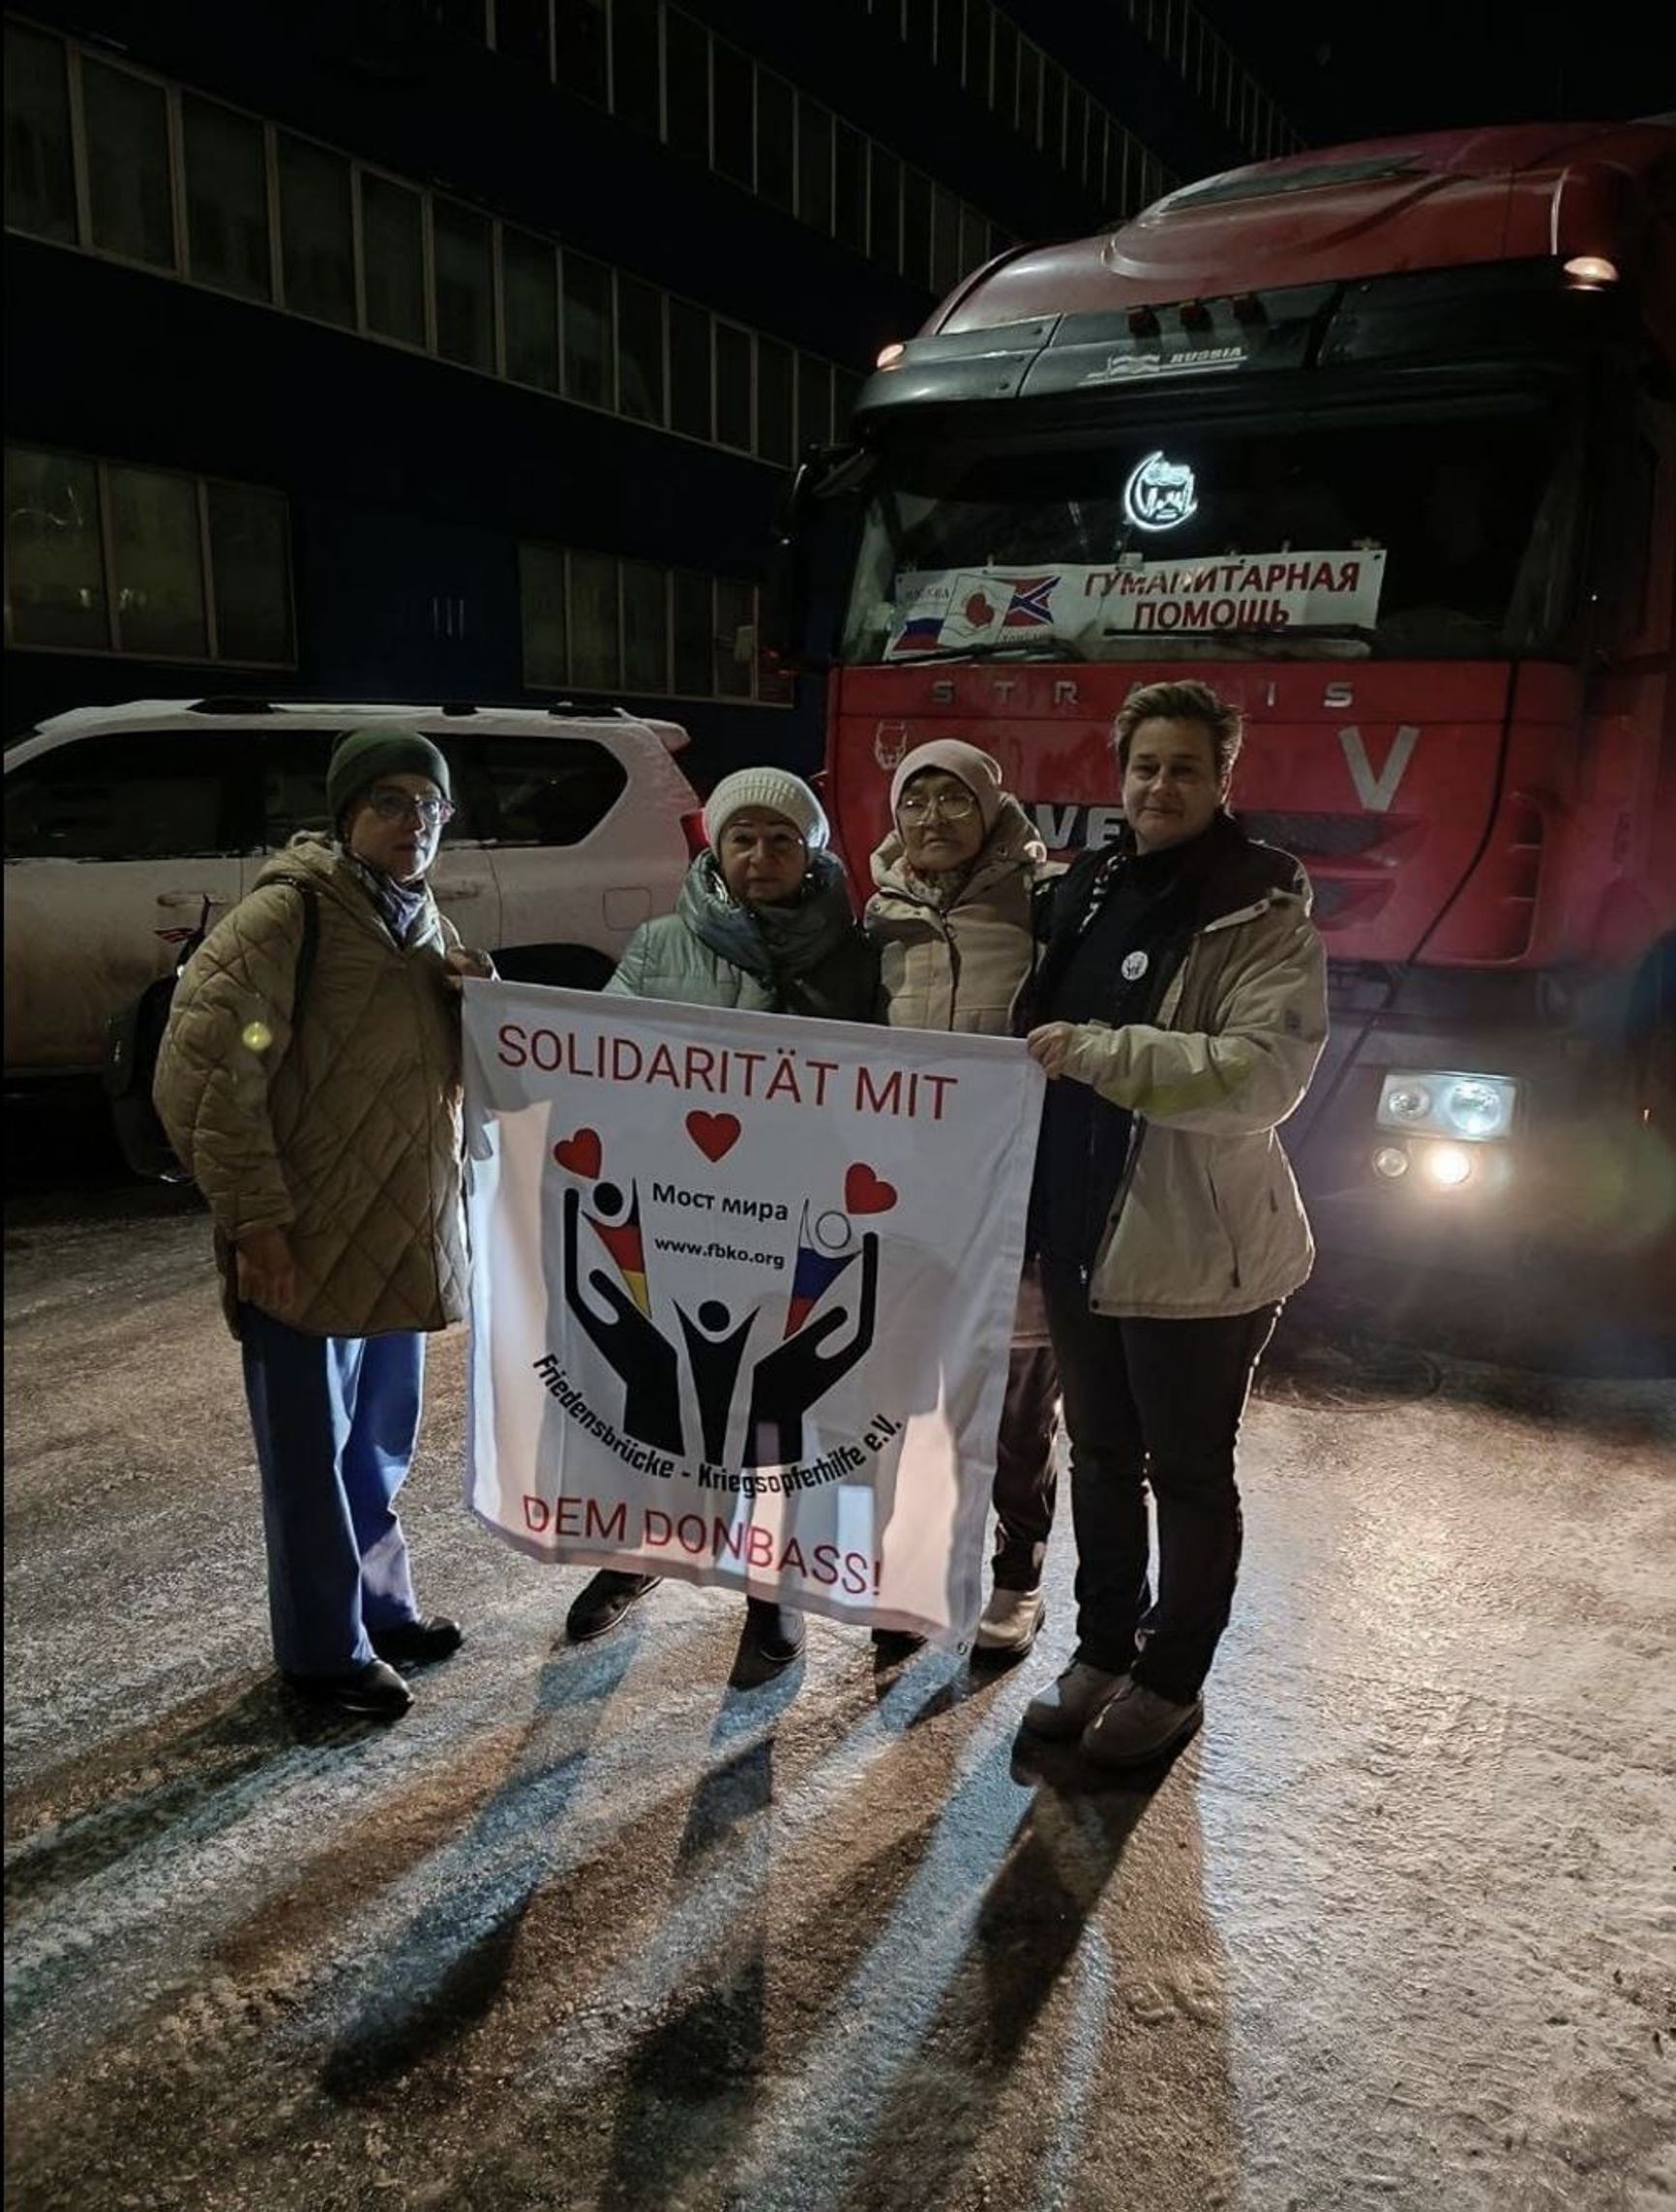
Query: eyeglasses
{"x": 951, "y": 806}
{"x": 398, "y": 806}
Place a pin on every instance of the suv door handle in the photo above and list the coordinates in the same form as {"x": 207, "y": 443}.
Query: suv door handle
{"x": 469, "y": 889}
{"x": 189, "y": 899}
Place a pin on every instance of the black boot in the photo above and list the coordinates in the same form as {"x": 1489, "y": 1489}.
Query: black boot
{"x": 416, "y": 1643}
{"x": 774, "y": 1633}
{"x": 373, "y": 1688}
{"x": 603, "y": 1602}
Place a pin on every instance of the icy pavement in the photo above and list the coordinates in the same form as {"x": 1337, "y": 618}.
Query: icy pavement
{"x": 591, "y": 1930}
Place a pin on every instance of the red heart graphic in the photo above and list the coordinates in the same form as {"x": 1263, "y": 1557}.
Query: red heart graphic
{"x": 714, "y": 1134}
{"x": 580, "y": 1154}
{"x": 864, "y": 1192}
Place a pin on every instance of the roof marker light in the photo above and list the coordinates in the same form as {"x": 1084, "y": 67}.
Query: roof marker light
{"x": 1589, "y": 272}
{"x": 890, "y": 356}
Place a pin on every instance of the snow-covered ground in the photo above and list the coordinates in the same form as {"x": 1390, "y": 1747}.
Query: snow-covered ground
{"x": 590, "y": 1929}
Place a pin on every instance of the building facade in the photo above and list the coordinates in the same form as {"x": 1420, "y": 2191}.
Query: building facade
{"x": 459, "y": 349}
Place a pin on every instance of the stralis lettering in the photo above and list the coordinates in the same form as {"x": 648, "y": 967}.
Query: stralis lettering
{"x": 787, "y": 1077}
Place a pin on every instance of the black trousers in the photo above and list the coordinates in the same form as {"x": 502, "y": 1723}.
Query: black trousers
{"x": 1025, "y": 1478}
{"x": 1158, "y": 1404}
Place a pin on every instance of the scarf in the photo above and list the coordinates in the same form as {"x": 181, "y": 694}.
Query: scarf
{"x": 403, "y": 908}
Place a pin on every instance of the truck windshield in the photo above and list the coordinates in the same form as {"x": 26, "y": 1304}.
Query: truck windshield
{"x": 1400, "y": 535}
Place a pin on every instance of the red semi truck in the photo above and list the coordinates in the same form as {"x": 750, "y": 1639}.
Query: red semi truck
{"x": 1381, "y": 442}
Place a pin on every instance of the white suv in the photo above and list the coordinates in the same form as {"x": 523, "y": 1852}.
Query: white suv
{"x": 124, "y": 822}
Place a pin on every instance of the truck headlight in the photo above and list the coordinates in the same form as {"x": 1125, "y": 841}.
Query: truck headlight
{"x": 1442, "y": 1102}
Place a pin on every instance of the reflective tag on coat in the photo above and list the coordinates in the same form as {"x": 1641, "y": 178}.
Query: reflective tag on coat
{"x": 1135, "y": 965}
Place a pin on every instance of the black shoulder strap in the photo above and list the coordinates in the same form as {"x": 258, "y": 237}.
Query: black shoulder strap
{"x": 309, "y": 895}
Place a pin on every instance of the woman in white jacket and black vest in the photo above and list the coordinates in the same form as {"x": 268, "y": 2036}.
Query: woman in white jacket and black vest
{"x": 1179, "y": 1009}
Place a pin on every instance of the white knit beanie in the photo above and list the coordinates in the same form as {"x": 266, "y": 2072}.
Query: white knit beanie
{"x": 775, "y": 789}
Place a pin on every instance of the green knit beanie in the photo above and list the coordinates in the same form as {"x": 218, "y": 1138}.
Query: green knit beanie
{"x": 362, "y": 756}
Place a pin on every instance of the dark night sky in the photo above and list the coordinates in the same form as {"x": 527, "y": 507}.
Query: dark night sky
{"x": 1345, "y": 70}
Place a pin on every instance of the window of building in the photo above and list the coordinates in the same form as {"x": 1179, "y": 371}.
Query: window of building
{"x": 692, "y": 409}
{"x": 640, "y": 350}
{"x": 393, "y": 258}
{"x": 579, "y": 46}
{"x": 1076, "y": 130}
{"x": 1027, "y": 113}
{"x": 520, "y": 33}
{"x": 693, "y": 627}
{"x": 946, "y": 269}
{"x": 40, "y": 169}
{"x": 164, "y": 797}
{"x": 529, "y": 291}
{"x": 251, "y": 574}
{"x": 686, "y": 86}
{"x": 774, "y": 439}
{"x": 815, "y": 164}
{"x": 468, "y": 18}
{"x": 846, "y": 391}
{"x": 73, "y": 524}
{"x": 885, "y": 208}
{"x": 734, "y": 394}
{"x": 730, "y": 114}
{"x": 850, "y": 188}
{"x": 645, "y": 628}
{"x": 361, "y": 250}
{"x": 157, "y": 552}
{"x": 548, "y": 791}
{"x": 1003, "y": 66}
{"x": 594, "y": 657}
{"x": 589, "y": 354}
{"x": 918, "y": 21}
{"x": 464, "y": 285}
{"x": 54, "y": 562}
{"x": 541, "y": 591}
{"x": 917, "y": 229}
{"x": 813, "y": 402}
{"x": 776, "y": 164}
{"x": 635, "y": 66}
{"x": 974, "y": 241}
{"x": 1055, "y": 87}
{"x": 317, "y": 231}
{"x": 974, "y": 48}
{"x": 131, "y": 200}
{"x": 736, "y": 639}
{"x": 227, "y": 199}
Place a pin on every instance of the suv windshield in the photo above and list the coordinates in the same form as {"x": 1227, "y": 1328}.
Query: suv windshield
{"x": 1403, "y": 535}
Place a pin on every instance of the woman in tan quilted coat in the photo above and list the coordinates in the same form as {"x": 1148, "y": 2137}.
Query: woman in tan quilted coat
{"x": 310, "y": 1081}
{"x": 951, "y": 919}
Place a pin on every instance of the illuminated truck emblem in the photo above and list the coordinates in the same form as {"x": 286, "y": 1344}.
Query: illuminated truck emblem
{"x": 1159, "y": 493}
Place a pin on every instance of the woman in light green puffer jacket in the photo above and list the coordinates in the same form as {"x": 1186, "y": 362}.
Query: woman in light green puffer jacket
{"x": 763, "y": 923}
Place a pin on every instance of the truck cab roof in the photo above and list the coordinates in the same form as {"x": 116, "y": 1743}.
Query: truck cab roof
{"x": 1436, "y": 201}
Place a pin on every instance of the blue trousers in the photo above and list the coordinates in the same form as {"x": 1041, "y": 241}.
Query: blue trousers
{"x": 335, "y": 1420}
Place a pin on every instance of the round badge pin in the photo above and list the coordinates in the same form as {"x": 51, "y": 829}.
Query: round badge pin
{"x": 1134, "y": 967}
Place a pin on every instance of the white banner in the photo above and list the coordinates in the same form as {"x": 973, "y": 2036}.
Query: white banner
{"x": 743, "y": 1295}
{"x": 945, "y": 608}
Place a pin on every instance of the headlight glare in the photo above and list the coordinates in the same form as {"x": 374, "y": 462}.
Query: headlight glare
{"x": 1476, "y": 1108}
{"x": 1447, "y": 1102}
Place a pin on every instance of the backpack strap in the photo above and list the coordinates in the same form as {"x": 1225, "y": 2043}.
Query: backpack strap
{"x": 309, "y": 892}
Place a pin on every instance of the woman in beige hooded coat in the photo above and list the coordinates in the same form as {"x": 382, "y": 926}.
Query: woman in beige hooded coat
{"x": 951, "y": 917}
